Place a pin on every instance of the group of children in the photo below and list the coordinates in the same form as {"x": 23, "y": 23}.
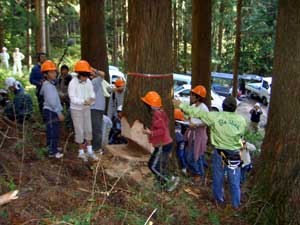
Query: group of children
{"x": 84, "y": 96}
{"x": 231, "y": 154}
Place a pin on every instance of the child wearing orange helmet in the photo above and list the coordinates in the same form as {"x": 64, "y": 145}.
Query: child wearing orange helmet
{"x": 160, "y": 138}
{"x": 196, "y": 136}
{"x": 82, "y": 96}
{"x": 180, "y": 142}
{"x": 52, "y": 109}
{"x": 116, "y": 98}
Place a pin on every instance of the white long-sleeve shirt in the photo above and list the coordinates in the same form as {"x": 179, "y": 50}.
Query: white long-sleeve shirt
{"x": 245, "y": 153}
{"x": 79, "y": 92}
{"x": 18, "y": 56}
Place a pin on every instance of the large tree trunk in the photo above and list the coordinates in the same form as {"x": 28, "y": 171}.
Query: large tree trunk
{"x": 1, "y": 28}
{"x": 201, "y": 45}
{"x": 175, "y": 38}
{"x": 115, "y": 36}
{"x": 93, "y": 38}
{"x": 28, "y": 36}
{"x": 125, "y": 39}
{"x": 220, "y": 34}
{"x": 41, "y": 25}
{"x": 279, "y": 177}
{"x": 149, "y": 52}
{"x": 237, "y": 50}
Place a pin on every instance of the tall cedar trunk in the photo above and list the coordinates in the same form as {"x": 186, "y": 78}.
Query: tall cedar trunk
{"x": 175, "y": 39}
{"x": 115, "y": 36}
{"x": 149, "y": 52}
{"x": 220, "y": 35}
{"x": 179, "y": 28}
{"x": 201, "y": 44}
{"x": 279, "y": 177}
{"x": 92, "y": 30}
{"x": 47, "y": 24}
{"x": 28, "y": 35}
{"x": 185, "y": 63}
{"x": 125, "y": 39}
{"x": 237, "y": 50}
{"x": 41, "y": 26}
{"x": 1, "y": 28}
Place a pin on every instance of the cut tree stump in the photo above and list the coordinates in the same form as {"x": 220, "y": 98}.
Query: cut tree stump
{"x": 137, "y": 139}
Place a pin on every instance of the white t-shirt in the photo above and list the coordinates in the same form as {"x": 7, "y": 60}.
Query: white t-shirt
{"x": 79, "y": 92}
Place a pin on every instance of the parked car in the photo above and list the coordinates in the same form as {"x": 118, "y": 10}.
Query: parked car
{"x": 183, "y": 94}
{"x": 260, "y": 89}
{"x": 181, "y": 79}
{"x": 115, "y": 74}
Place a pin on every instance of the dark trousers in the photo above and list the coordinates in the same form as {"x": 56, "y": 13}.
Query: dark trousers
{"x": 40, "y": 100}
{"x": 97, "y": 121}
{"x": 158, "y": 162}
{"x": 53, "y": 128}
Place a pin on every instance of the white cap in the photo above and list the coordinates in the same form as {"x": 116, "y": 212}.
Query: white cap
{"x": 11, "y": 82}
{"x": 4, "y": 49}
{"x": 120, "y": 107}
{"x": 257, "y": 104}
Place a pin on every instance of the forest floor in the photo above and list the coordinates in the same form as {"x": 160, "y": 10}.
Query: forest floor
{"x": 110, "y": 191}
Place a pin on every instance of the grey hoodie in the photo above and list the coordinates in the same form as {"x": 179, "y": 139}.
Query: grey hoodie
{"x": 51, "y": 98}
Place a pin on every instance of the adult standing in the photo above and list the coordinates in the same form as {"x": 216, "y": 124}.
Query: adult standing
{"x": 37, "y": 78}
{"x": 17, "y": 57}
{"x": 4, "y": 56}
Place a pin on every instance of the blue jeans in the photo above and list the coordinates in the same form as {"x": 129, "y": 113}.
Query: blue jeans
{"x": 218, "y": 180}
{"x": 158, "y": 162}
{"x": 196, "y": 167}
{"x": 53, "y": 129}
{"x": 181, "y": 154}
{"x": 244, "y": 171}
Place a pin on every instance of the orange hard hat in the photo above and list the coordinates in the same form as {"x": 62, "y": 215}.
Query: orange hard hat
{"x": 82, "y": 66}
{"x": 152, "y": 98}
{"x": 199, "y": 90}
{"x": 178, "y": 114}
{"x": 119, "y": 83}
{"x": 48, "y": 65}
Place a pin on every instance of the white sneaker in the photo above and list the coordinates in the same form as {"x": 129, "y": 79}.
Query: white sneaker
{"x": 59, "y": 155}
{"x": 93, "y": 156}
{"x": 173, "y": 184}
{"x": 83, "y": 157}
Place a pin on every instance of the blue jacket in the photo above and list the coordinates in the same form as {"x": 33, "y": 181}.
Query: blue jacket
{"x": 36, "y": 76}
{"x": 22, "y": 106}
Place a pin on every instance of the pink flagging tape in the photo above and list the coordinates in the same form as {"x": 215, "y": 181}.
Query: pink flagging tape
{"x": 160, "y": 76}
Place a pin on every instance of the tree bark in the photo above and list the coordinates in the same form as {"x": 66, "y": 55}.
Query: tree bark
{"x": 115, "y": 36}
{"x": 41, "y": 26}
{"x": 28, "y": 35}
{"x": 125, "y": 39}
{"x": 93, "y": 38}
{"x": 1, "y": 28}
{"x": 237, "y": 48}
{"x": 149, "y": 52}
{"x": 279, "y": 177}
{"x": 201, "y": 45}
{"x": 220, "y": 35}
{"x": 175, "y": 38}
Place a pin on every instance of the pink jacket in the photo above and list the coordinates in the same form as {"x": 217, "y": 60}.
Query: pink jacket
{"x": 160, "y": 134}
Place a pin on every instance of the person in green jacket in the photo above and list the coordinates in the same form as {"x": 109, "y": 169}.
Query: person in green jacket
{"x": 226, "y": 131}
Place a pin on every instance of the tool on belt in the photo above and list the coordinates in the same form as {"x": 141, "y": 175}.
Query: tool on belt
{"x": 232, "y": 161}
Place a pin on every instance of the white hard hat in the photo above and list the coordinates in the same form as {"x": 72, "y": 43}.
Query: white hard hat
{"x": 120, "y": 107}
{"x": 11, "y": 82}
